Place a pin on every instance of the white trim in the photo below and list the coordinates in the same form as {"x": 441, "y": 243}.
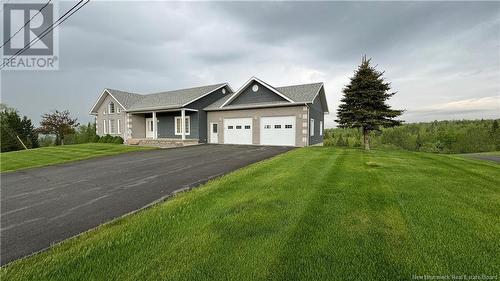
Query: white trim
{"x": 159, "y": 109}
{"x": 92, "y": 112}
{"x": 326, "y": 101}
{"x": 155, "y": 125}
{"x": 204, "y": 95}
{"x": 118, "y": 123}
{"x": 311, "y": 127}
{"x": 249, "y": 106}
{"x": 109, "y": 108}
{"x": 104, "y": 128}
{"x": 320, "y": 128}
{"x": 111, "y": 131}
{"x": 240, "y": 90}
{"x": 188, "y": 127}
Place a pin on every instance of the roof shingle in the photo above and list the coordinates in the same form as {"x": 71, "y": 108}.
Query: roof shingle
{"x": 168, "y": 99}
{"x": 304, "y": 93}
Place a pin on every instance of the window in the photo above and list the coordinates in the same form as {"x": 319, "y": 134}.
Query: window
{"x": 223, "y": 91}
{"x": 277, "y": 126}
{"x": 214, "y": 128}
{"x": 104, "y": 127}
{"x": 112, "y": 126}
{"x": 150, "y": 126}
{"x": 288, "y": 126}
{"x": 118, "y": 110}
{"x": 320, "y": 128}
{"x": 267, "y": 127}
{"x": 229, "y": 127}
{"x": 178, "y": 125}
{"x": 238, "y": 127}
{"x": 111, "y": 107}
{"x": 311, "y": 129}
{"x": 118, "y": 125}
{"x": 255, "y": 88}
{"x": 247, "y": 127}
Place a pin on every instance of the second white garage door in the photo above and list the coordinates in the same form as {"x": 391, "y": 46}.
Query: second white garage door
{"x": 238, "y": 130}
{"x": 277, "y": 130}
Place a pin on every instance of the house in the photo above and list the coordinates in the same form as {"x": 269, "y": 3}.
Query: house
{"x": 257, "y": 113}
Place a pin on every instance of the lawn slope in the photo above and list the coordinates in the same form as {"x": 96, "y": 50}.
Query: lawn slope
{"x": 310, "y": 214}
{"x": 15, "y": 160}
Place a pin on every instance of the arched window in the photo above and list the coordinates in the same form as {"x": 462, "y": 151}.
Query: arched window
{"x": 111, "y": 107}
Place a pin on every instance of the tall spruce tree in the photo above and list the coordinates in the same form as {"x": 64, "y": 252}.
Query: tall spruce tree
{"x": 364, "y": 103}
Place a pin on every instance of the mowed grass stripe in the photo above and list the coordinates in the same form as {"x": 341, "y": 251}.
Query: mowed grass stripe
{"x": 11, "y": 161}
{"x": 309, "y": 214}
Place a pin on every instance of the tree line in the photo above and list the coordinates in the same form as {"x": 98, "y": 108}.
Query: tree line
{"x": 465, "y": 136}
{"x": 56, "y": 128}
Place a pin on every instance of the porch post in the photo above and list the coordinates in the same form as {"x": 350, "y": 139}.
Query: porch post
{"x": 155, "y": 126}
{"x": 183, "y": 123}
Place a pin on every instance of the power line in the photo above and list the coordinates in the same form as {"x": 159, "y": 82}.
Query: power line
{"x": 39, "y": 11}
{"x": 55, "y": 24}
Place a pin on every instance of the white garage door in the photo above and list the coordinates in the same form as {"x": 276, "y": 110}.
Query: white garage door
{"x": 277, "y": 130}
{"x": 238, "y": 130}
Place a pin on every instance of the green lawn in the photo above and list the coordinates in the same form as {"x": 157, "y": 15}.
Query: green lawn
{"x": 310, "y": 214}
{"x": 15, "y": 160}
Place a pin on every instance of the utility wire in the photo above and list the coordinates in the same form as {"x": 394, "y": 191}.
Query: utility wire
{"x": 55, "y": 24}
{"x": 12, "y": 36}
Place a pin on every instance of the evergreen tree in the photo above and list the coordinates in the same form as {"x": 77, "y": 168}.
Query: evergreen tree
{"x": 495, "y": 134}
{"x": 364, "y": 102}
{"x": 16, "y": 131}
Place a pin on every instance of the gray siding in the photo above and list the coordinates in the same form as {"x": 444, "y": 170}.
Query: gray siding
{"x": 301, "y": 135}
{"x": 202, "y": 115}
{"x": 103, "y": 116}
{"x": 138, "y": 124}
{"x": 166, "y": 125}
{"x": 248, "y": 96}
{"x": 316, "y": 113}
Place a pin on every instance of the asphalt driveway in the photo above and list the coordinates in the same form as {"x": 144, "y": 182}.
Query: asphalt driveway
{"x": 45, "y": 205}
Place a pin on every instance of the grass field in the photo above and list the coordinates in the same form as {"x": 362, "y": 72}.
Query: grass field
{"x": 15, "y": 160}
{"x": 310, "y": 214}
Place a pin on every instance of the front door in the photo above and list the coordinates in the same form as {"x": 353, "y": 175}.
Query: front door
{"x": 149, "y": 128}
{"x": 214, "y": 133}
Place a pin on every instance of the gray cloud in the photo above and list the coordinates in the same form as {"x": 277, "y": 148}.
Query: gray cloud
{"x": 434, "y": 53}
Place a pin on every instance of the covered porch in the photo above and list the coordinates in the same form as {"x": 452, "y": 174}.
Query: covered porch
{"x": 172, "y": 127}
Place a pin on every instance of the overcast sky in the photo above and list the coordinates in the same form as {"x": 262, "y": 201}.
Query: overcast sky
{"x": 443, "y": 59}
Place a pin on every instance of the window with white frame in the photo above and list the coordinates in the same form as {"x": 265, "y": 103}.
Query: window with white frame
{"x": 311, "y": 129}
{"x": 320, "y": 128}
{"x": 112, "y": 127}
{"x": 119, "y": 126}
{"x": 178, "y": 126}
{"x": 111, "y": 107}
{"x": 104, "y": 127}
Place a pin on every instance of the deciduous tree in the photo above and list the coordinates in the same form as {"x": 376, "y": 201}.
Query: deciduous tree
{"x": 58, "y": 123}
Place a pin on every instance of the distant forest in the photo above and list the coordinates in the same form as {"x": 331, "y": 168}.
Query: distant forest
{"x": 466, "y": 136}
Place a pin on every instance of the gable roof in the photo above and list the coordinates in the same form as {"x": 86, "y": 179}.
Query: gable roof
{"x": 126, "y": 99}
{"x": 247, "y": 84}
{"x": 173, "y": 99}
{"x": 295, "y": 94}
{"x": 163, "y": 100}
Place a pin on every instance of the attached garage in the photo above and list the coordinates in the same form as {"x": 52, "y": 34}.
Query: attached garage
{"x": 277, "y": 130}
{"x": 238, "y": 130}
